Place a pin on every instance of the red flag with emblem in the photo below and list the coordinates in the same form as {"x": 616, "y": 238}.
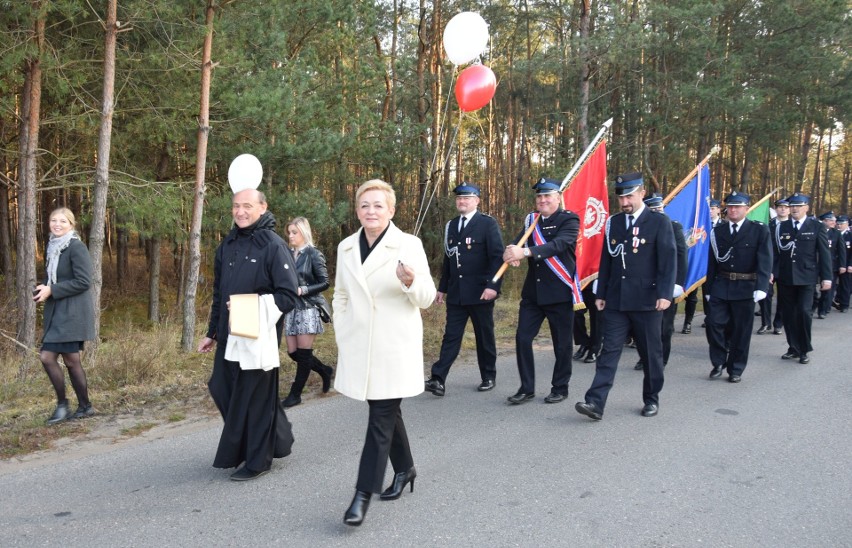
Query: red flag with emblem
{"x": 587, "y": 196}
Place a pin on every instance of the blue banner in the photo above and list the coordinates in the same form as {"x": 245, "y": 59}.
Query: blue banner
{"x": 691, "y": 208}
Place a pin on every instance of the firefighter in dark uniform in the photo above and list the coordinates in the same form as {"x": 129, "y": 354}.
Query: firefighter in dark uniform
{"x": 837, "y": 248}
{"x": 691, "y": 300}
{"x": 473, "y": 252}
{"x": 844, "y": 289}
{"x": 801, "y": 259}
{"x": 635, "y": 285}
{"x": 550, "y": 290}
{"x": 655, "y": 204}
{"x": 767, "y": 322}
{"x": 738, "y": 271}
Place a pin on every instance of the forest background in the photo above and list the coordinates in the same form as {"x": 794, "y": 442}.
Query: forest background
{"x": 129, "y": 112}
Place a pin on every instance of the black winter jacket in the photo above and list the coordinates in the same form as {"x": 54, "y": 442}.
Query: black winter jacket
{"x": 313, "y": 275}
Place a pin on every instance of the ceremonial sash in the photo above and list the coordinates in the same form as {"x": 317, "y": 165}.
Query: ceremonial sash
{"x": 556, "y": 266}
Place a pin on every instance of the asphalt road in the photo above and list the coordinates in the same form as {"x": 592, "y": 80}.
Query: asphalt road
{"x": 762, "y": 463}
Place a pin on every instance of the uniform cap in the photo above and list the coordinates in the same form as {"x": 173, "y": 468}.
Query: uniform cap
{"x": 654, "y": 201}
{"x": 737, "y": 198}
{"x": 798, "y": 199}
{"x": 782, "y": 202}
{"x": 628, "y": 183}
{"x": 827, "y": 216}
{"x": 466, "y": 189}
{"x": 842, "y": 219}
{"x": 547, "y": 186}
{"x": 715, "y": 203}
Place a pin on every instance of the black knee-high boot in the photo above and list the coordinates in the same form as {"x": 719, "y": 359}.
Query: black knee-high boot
{"x": 303, "y": 360}
{"x": 324, "y": 371}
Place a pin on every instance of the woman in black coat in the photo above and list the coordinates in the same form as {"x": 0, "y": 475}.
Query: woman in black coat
{"x": 69, "y": 315}
{"x": 303, "y": 323}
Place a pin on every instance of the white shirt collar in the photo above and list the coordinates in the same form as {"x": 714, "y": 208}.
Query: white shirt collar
{"x": 637, "y": 213}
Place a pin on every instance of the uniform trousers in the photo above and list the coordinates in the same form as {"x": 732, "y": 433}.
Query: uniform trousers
{"x": 560, "y": 317}
{"x": 826, "y": 297}
{"x": 794, "y": 301}
{"x": 482, "y": 318}
{"x": 844, "y": 291}
{"x": 646, "y": 328}
{"x": 386, "y": 437}
{"x": 765, "y": 307}
{"x": 591, "y": 338}
{"x": 729, "y": 333}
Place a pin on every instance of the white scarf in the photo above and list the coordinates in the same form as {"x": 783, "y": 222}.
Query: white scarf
{"x": 55, "y": 247}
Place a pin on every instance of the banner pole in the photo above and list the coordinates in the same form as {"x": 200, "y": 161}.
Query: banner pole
{"x": 692, "y": 174}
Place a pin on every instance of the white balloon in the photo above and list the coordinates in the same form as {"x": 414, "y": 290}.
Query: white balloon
{"x": 465, "y": 37}
{"x": 245, "y": 172}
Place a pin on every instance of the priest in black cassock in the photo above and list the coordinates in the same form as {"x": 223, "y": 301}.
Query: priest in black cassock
{"x": 251, "y": 259}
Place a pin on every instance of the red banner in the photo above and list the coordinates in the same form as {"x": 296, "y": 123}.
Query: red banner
{"x": 587, "y": 196}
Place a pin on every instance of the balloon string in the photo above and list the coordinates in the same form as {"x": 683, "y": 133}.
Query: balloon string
{"x": 421, "y": 214}
{"x": 443, "y": 167}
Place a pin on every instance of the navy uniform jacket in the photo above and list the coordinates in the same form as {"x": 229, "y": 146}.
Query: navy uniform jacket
{"x": 464, "y": 276}
{"x": 644, "y": 276}
{"x": 682, "y": 251}
{"x": 837, "y": 248}
{"x": 847, "y": 240}
{"x": 806, "y": 263}
{"x": 541, "y": 285}
{"x": 751, "y": 253}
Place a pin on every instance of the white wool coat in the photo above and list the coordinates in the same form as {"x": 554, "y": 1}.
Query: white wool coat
{"x": 377, "y": 321}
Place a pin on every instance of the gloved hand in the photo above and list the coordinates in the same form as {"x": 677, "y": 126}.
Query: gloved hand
{"x": 595, "y": 286}
{"x": 707, "y": 298}
{"x": 678, "y": 291}
{"x": 759, "y": 295}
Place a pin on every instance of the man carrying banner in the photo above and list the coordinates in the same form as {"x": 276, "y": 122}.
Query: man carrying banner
{"x": 635, "y": 285}
{"x": 837, "y": 249}
{"x": 691, "y": 300}
{"x": 738, "y": 271}
{"x": 551, "y": 290}
{"x": 782, "y": 213}
{"x": 801, "y": 259}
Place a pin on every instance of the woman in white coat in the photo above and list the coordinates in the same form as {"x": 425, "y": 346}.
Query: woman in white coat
{"x": 382, "y": 282}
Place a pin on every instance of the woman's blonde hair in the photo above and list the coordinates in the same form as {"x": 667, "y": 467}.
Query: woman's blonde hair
{"x": 68, "y": 215}
{"x": 377, "y": 184}
{"x": 304, "y": 228}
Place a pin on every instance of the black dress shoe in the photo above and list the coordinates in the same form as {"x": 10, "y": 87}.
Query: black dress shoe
{"x": 358, "y": 509}
{"x": 578, "y": 355}
{"x": 687, "y": 329}
{"x": 804, "y": 358}
{"x": 776, "y": 331}
{"x": 400, "y": 480}
{"x": 789, "y": 356}
{"x": 244, "y": 474}
{"x": 704, "y": 324}
{"x": 763, "y": 329}
{"x": 435, "y": 386}
{"x": 589, "y": 409}
{"x": 60, "y": 414}
{"x": 83, "y": 411}
{"x": 292, "y": 400}
{"x": 486, "y": 385}
{"x": 717, "y": 372}
{"x": 820, "y": 316}
{"x": 553, "y": 397}
{"x": 734, "y": 378}
{"x": 520, "y": 397}
{"x": 639, "y": 365}
{"x": 591, "y": 357}
{"x": 650, "y": 410}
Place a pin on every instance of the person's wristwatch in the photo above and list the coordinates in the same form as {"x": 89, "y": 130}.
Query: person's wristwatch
{"x": 526, "y": 252}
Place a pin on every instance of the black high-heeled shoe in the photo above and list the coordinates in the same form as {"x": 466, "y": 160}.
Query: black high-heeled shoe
{"x": 358, "y": 509}
{"x": 398, "y": 486}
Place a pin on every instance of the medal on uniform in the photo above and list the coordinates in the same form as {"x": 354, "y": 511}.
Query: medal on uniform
{"x": 468, "y": 242}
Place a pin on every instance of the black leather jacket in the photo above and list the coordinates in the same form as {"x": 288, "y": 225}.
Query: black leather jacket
{"x": 313, "y": 274}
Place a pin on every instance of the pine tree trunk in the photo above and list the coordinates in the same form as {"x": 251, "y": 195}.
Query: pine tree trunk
{"x": 25, "y": 273}
{"x": 191, "y": 284}
{"x": 99, "y": 203}
{"x": 154, "y": 279}
{"x": 6, "y": 241}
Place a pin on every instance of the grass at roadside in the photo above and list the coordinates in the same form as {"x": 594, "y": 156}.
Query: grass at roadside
{"x": 139, "y": 371}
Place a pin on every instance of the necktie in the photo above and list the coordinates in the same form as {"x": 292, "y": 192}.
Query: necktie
{"x": 796, "y": 227}
{"x": 630, "y": 222}
{"x": 734, "y": 229}
{"x": 463, "y": 222}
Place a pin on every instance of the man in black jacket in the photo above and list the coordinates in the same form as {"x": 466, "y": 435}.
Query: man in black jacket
{"x": 655, "y": 204}
{"x": 738, "y": 270}
{"x": 251, "y": 259}
{"x": 550, "y": 290}
{"x": 473, "y": 252}
{"x": 635, "y": 285}
{"x": 801, "y": 259}
{"x": 837, "y": 249}
{"x": 844, "y": 289}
